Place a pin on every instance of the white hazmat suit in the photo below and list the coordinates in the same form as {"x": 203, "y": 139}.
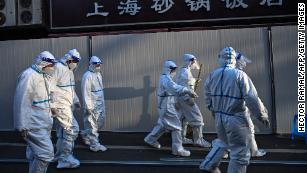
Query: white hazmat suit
{"x": 169, "y": 119}
{"x": 242, "y": 61}
{"x": 228, "y": 93}
{"x": 32, "y": 112}
{"x": 65, "y": 100}
{"x": 94, "y": 106}
{"x": 188, "y": 108}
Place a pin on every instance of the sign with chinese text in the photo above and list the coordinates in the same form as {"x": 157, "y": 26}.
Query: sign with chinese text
{"x": 67, "y": 14}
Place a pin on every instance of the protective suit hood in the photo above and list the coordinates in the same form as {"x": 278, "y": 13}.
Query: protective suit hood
{"x": 94, "y": 60}
{"x": 227, "y": 57}
{"x": 242, "y": 61}
{"x": 43, "y": 59}
{"x": 168, "y": 67}
{"x": 72, "y": 54}
{"x": 187, "y": 59}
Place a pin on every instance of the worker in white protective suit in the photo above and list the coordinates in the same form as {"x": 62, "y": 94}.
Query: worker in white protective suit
{"x": 189, "y": 110}
{"x": 242, "y": 61}
{"x": 33, "y": 111}
{"x": 228, "y": 93}
{"x": 169, "y": 119}
{"x": 66, "y": 100}
{"x": 94, "y": 106}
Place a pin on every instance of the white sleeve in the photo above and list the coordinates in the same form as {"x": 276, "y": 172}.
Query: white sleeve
{"x": 183, "y": 76}
{"x": 23, "y": 102}
{"x": 251, "y": 98}
{"x": 207, "y": 94}
{"x": 172, "y": 87}
{"x": 76, "y": 98}
{"x": 186, "y": 77}
{"x": 86, "y": 92}
{"x": 52, "y": 87}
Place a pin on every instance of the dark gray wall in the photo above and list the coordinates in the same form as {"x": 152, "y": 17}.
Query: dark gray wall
{"x": 285, "y": 74}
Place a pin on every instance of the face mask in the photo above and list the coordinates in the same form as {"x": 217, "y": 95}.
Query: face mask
{"x": 72, "y": 66}
{"x": 195, "y": 66}
{"x": 173, "y": 74}
{"x": 49, "y": 70}
{"x": 96, "y": 69}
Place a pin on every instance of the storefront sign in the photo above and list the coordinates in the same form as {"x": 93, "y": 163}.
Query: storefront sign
{"x": 66, "y": 14}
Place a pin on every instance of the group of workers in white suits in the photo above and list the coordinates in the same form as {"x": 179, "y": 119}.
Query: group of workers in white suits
{"x": 46, "y": 91}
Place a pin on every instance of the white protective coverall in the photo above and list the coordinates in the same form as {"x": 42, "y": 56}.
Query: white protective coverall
{"x": 32, "y": 112}
{"x": 65, "y": 98}
{"x": 94, "y": 106}
{"x": 242, "y": 61}
{"x": 189, "y": 110}
{"x": 228, "y": 91}
{"x": 169, "y": 119}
